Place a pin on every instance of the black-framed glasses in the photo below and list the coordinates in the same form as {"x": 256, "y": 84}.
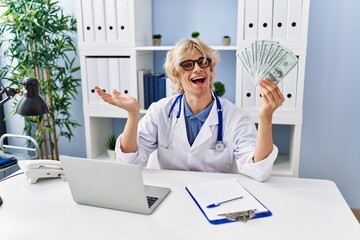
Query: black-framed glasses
{"x": 190, "y": 64}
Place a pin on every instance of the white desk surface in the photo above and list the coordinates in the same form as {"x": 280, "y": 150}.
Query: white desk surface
{"x": 302, "y": 209}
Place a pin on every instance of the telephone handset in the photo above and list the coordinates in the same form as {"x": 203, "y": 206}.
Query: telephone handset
{"x": 35, "y": 169}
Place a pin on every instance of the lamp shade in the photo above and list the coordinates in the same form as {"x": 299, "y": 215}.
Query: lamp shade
{"x": 31, "y": 104}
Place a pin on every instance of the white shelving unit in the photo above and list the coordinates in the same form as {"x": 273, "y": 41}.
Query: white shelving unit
{"x": 116, "y": 32}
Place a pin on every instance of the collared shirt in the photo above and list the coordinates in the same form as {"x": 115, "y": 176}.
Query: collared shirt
{"x": 195, "y": 122}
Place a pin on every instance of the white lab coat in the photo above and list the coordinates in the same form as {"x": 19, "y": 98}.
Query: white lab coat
{"x": 239, "y": 137}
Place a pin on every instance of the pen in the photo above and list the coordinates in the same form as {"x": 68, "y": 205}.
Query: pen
{"x": 213, "y": 205}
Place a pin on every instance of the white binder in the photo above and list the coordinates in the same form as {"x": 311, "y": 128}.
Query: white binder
{"x": 114, "y": 74}
{"x": 258, "y": 98}
{"x": 125, "y": 84}
{"x": 99, "y": 20}
{"x": 103, "y": 74}
{"x": 88, "y": 20}
{"x": 140, "y": 78}
{"x": 123, "y": 24}
{"x": 91, "y": 75}
{"x": 169, "y": 87}
{"x": 248, "y": 91}
{"x": 289, "y": 89}
{"x": 251, "y": 19}
{"x": 265, "y": 19}
{"x": 279, "y": 19}
{"x": 111, "y": 24}
{"x": 294, "y": 19}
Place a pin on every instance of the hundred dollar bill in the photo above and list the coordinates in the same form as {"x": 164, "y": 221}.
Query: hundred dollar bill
{"x": 267, "y": 50}
{"x": 281, "y": 68}
{"x": 250, "y": 57}
{"x": 244, "y": 60}
{"x": 266, "y": 58}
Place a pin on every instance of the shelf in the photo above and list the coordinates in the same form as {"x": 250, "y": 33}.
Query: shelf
{"x": 282, "y": 167}
{"x": 104, "y": 110}
{"x": 140, "y": 19}
{"x": 279, "y": 117}
{"x": 166, "y": 48}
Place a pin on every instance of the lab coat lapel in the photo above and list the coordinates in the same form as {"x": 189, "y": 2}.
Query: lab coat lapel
{"x": 205, "y": 131}
{"x": 180, "y": 134}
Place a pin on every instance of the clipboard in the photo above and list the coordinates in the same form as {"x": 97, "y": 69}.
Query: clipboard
{"x": 242, "y": 209}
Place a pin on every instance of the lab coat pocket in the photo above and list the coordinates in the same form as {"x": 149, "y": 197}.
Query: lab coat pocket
{"x": 218, "y": 161}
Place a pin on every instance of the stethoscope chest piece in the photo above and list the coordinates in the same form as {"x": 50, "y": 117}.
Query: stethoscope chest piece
{"x": 219, "y": 146}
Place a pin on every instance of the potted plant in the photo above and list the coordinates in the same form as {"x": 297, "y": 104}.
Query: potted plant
{"x": 219, "y": 88}
{"x": 110, "y": 145}
{"x": 156, "y": 39}
{"x": 226, "y": 40}
{"x": 39, "y": 44}
{"x": 195, "y": 34}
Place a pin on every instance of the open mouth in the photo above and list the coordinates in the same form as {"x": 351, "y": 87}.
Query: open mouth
{"x": 198, "y": 80}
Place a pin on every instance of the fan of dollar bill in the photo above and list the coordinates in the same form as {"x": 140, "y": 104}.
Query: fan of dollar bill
{"x": 267, "y": 59}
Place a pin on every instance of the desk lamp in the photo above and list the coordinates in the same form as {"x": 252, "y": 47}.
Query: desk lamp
{"x": 32, "y": 104}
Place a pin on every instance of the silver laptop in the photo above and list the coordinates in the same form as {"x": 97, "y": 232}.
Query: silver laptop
{"x": 111, "y": 185}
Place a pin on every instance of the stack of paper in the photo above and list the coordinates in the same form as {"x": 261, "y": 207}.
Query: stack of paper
{"x": 267, "y": 59}
{"x": 208, "y": 193}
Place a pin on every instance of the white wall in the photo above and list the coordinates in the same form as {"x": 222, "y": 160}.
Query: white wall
{"x": 331, "y": 130}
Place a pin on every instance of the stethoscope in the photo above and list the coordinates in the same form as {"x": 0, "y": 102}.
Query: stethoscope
{"x": 219, "y": 145}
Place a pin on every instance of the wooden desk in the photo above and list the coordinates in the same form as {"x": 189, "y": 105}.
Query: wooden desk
{"x": 302, "y": 209}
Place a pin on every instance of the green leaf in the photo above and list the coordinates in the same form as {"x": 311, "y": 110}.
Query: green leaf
{"x": 41, "y": 46}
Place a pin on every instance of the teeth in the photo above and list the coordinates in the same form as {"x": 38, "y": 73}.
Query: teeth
{"x": 197, "y": 80}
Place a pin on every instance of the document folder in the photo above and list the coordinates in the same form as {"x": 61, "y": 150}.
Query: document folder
{"x": 88, "y": 21}
{"x": 113, "y": 74}
{"x": 6, "y": 161}
{"x": 92, "y": 79}
{"x": 251, "y": 19}
{"x": 110, "y": 20}
{"x": 206, "y": 194}
{"x": 265, "y": 19}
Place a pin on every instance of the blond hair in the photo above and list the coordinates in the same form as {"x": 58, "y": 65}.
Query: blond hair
{"x": 181, "y": 50}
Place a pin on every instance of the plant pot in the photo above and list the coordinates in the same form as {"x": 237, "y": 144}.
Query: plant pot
{"x": 156, "y": 41}
{"x": 111, "y": 154}
{"x": 226, "y": 41}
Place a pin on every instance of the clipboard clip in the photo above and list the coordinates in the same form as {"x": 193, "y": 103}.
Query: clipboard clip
{"x": 241, "y": 216}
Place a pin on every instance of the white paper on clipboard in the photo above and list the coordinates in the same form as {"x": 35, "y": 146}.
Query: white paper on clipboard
{"x": 206, "y": 193}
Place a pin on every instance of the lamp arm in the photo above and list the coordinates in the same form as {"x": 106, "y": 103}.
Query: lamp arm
{"x": 4, "y": 100}
{"x": 10, "y": 93}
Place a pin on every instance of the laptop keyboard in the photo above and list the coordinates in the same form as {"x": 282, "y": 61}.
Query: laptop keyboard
{"x": 151, "y": 200}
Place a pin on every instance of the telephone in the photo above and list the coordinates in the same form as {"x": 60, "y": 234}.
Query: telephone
{"x": 35, "y": 169}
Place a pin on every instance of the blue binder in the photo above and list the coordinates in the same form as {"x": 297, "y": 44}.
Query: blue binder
{"x": 162, "y": 87}
{"x": 148, "y": 90}
{"x": 6, "y": 161}
{"x": 158, "y": 86}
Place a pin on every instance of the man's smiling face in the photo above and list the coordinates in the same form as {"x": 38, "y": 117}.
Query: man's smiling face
{"x": 197, "y": 80}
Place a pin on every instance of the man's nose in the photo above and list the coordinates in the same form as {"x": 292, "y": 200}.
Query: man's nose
{"x": 197, "y": 67}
